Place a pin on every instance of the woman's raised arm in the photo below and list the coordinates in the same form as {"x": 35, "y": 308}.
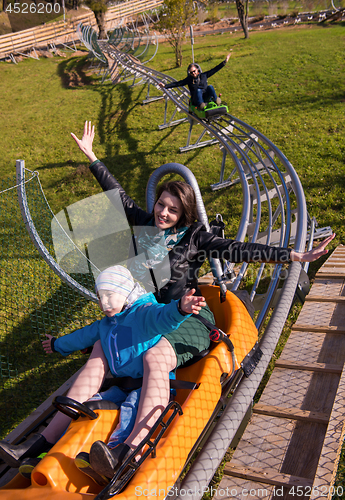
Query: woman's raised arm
{"x": 85, "y": 143}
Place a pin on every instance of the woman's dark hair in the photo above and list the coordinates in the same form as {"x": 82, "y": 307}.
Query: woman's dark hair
{"x": 185, "y": 193}
{"x": 193, "y": 65}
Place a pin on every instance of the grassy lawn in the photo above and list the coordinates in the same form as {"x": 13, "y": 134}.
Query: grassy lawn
{"x": 288, "y": 84}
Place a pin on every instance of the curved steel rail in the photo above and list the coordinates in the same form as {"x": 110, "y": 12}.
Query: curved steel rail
{"x": 35, "y": 237}
{"x": 253, "y": 156}
{"x": 334, "y": 7}
{"x": 124, "y": 39}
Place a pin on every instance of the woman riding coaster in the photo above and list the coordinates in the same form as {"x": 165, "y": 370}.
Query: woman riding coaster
{"x": 175, "y": 215}
{"x": 196, "y": 80}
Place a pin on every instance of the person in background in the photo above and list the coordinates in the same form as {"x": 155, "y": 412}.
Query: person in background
{"x": 200, "y": 91}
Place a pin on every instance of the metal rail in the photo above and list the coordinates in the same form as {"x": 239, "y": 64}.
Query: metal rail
{"x": 35, "y": 237}
{"x": 253, "y": 156}
{"x": 122, "y": 38}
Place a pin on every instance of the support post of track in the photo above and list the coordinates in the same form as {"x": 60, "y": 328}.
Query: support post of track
{"x": 191, "y": 122}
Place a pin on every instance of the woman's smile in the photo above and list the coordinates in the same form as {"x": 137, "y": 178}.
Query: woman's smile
{"x": 167, "y": 211}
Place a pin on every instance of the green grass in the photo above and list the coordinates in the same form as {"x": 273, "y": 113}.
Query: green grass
{"x": 288, "y": 84}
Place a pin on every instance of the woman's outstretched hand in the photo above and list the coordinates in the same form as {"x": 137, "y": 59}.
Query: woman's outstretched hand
{"x": 47, "y": 344}
{"x": 192, "y": 304}
{"x": 228, "y": 57}
{"x": 85, "y": 143}
{"x": 313, "y": 254}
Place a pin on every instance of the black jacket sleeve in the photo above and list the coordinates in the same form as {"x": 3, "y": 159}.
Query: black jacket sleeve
{"x": 237, "y": 251}
{"x": 179, "y": 83}
{"x": 214, "y": 70}
{"x": 135, "y": 215}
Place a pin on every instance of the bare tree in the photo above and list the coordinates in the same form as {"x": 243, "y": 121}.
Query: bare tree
{"x": 242, "y": 9}
{"x": 175, "y": 18}
{"x": 99, "y": 8}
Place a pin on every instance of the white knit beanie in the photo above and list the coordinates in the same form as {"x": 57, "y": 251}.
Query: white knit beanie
{"x": 117, "y": 279}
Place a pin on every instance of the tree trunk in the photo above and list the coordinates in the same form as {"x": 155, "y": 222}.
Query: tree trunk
{"x": 178, "y": 54}
{"x": 178, "y": 50}
{"x": 242, "y": 9}
{"x": 100, "y": 20}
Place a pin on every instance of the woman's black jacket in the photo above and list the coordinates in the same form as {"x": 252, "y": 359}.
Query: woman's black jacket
{"x": 198, "y": 82}
{"x": 197, "y": 244}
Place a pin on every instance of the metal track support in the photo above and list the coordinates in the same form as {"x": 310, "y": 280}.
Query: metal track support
{"x": 171, "y": 122}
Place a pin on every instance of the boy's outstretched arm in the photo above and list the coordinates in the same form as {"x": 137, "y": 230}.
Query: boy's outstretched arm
{"x": 191, "y": 304}
{"x": 47, "y": 344}
{"x": 85, "y": 143}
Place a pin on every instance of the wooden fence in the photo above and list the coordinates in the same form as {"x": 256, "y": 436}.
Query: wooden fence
{"x": 25, "y": 42}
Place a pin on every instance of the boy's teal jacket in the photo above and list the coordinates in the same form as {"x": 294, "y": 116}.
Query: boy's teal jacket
{"x": 126, "y": 336}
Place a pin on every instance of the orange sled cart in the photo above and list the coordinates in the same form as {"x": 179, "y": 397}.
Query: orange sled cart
{"x": 56, "y": 476}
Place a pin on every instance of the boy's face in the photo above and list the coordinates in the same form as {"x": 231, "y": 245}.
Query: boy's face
{"x": 111, "y": 303}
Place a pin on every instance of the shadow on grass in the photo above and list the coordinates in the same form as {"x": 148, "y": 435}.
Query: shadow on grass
{"x": 326, "y": 98}
{"x": 75, "y": 72}
{"x": 114, "y": 127}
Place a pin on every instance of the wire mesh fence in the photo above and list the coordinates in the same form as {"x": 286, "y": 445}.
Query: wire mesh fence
{"x": 33, "y": 302}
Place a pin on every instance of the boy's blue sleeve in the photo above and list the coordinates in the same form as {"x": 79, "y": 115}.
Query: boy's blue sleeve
{"x": 77, "y": 340}
{"x": 160, "y": 319}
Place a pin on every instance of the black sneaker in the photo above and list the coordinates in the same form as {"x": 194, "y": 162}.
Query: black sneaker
{"x": 107, "y": 461}
{"x": 82, "y": 462}
{"x": 28, "y": 465}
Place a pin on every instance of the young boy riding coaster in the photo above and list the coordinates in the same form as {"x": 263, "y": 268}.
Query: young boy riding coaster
{"x": 134, "y": 322}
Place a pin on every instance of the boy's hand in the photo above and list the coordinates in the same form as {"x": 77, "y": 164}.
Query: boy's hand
{"x": 191, "y": 304}
{"x": 47, "y": 344}
{"x": 85, "y": 143}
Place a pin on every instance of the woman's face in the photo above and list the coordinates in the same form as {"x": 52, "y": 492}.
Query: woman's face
{"x": 167, "y": 211}
{"x": 110, "y": 302}
{"x": 194, "y": 71}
